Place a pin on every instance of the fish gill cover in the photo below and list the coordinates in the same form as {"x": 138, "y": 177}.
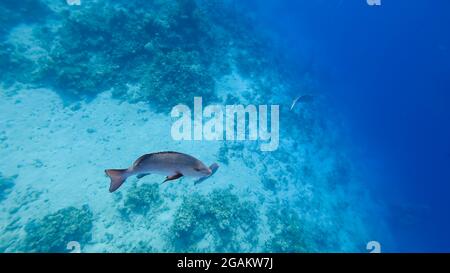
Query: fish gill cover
{"x": 86, "y": 87}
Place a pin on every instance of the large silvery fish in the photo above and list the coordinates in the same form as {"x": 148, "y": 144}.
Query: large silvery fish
{"x": 172, "y": 164}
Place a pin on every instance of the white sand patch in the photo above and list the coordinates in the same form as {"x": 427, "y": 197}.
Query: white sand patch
{"x": 62, "y": 150}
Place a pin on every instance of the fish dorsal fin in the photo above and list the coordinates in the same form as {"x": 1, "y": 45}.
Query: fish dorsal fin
{"x": 140, "y": 159}
{"x": 146, "y": 156}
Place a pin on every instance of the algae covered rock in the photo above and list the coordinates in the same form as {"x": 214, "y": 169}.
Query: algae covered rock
{"x": 219, "y": 221}
{"x": 142, "y": 199}
{"x": 171, "y": 51}
{"x": 55, "y": 230}
{"x": 176, "y": 77}
{"x": 288, "y": 232}
{"x": 292, "y": 233}
{"x": 104, "y": 46}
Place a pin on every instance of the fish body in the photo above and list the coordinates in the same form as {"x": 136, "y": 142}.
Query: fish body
{"x": 302, "y": 98}
{"x": 172, "y": 164}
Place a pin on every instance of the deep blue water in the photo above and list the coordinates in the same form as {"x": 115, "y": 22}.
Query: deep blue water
{"x": 387, "y": 69}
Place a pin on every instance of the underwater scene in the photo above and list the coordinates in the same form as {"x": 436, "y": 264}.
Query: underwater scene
{"x": 149, "y": 126}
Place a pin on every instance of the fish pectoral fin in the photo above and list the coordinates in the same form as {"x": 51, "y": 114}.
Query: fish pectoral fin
{"x": 139, "y": 176}
{"x": 172, "y": 177}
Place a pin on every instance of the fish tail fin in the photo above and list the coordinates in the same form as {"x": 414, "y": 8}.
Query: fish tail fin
{"x": 117, "y": 178}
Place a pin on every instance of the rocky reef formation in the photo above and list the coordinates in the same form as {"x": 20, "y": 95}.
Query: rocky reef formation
{"x": 220, "y": 217}
{"x": 156, "y": 51}
{"x": 142, "y": 200}
{"x": 55, "y": 230}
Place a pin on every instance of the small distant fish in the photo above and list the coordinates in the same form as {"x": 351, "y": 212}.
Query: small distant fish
{"x": 172, "y": 164}
{"x": 214, "y": 167}
{"x": 302, "y": 98}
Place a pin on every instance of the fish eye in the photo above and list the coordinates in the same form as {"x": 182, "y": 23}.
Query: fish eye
{"x": 197, "y": 169}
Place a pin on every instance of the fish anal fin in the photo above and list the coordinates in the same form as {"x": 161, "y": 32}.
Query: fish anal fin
{"x": 172, "y": 177}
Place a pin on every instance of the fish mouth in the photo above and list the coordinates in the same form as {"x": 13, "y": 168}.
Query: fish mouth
{"x": 208, "y": 171}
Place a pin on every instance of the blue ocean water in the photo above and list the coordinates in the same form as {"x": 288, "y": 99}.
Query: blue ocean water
{"x": 387, "y": 69}
{"x": 362, "y": 156}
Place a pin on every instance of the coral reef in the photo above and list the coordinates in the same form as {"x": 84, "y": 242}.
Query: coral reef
{"x": 55, "y": 230}
{"x": 142, "y": 199}
{"x": 292, "y": 233}
{"x": 181, "y": 79}
{"x": 288, "y": 232}
{"x": 168, "y": 52}
{"x": 12, "y": 64}
{"x": 221, "y": 216}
